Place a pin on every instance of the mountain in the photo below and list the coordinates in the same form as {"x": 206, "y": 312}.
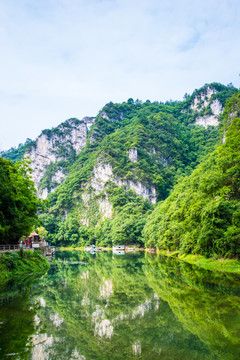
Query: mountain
{"x": 102, "y": 181}
{"x": 202, "y": 214}
{"x": 53, "y": 152}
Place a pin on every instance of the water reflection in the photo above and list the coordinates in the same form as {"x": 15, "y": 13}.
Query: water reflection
{"x": 122, "y": 307}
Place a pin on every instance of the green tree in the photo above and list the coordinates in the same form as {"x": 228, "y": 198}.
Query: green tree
{"x": 18, "y": 201}
{"x": 202, "y": 214}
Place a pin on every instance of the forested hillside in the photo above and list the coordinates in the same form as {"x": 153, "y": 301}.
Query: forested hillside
{"x": 135, "y": 153}
{"x": 202, "y": 214}
{"x": 103, "y": 176}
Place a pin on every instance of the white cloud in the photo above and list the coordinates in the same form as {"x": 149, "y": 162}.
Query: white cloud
{"x": 62, "y": 58}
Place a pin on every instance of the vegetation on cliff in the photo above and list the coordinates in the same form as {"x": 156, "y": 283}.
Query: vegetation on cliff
{"x": 202, "y": 214}
{"x": 167, "y": 145}
{"x": 148, "y": 148}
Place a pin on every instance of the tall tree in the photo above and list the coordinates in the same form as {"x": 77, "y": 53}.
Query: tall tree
{"x": 18, "y": 201}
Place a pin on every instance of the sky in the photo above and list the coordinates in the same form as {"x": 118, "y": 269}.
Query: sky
{"x": 68, "y": 58}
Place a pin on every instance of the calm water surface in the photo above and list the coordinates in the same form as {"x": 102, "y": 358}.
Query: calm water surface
{"x": 134, "y": 306}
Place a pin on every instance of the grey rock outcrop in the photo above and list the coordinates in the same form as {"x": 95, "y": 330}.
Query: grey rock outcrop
{"x": 51, "y": 147}
{"x": 204, "y": 100}
{"x": 133, "y": 154}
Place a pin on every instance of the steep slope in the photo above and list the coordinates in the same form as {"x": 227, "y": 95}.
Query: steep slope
{"x": 53, "y": 152}
{"x": 134, "y": 154}
{"x": 112, "y": 169}
{"x": 208, "y": 103}
{"x": 202, "y": 215}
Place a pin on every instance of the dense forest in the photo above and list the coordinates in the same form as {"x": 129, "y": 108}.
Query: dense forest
{"x": 168, "y": 146}
{"x": 135, "y": 181}
{"x": 18, "y": 201}
{"x": 202, "y": 214}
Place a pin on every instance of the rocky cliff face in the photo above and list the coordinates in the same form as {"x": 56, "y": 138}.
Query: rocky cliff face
{"x": 133, "y": 155}
{"x": 102, "y": 173}
{"x": 53, "y": 146}
{"x": 204, "y": 101}
{"x": 96, "y": 189}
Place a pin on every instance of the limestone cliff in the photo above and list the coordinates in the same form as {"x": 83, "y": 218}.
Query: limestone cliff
{"x": 117, "y": 165}
{"x": 53, "y": 147}
{"x": 96, "y": 191}
{"x": 102, "y": 174}
{"x": 208, "y": 107}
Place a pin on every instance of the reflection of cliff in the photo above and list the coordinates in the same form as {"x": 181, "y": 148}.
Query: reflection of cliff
{"x": 122, "y": 308}
{"x": 211, "y": 315}
{"x": 108, "y": 310}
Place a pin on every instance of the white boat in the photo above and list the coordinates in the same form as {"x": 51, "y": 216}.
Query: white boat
{"x": 118, "y": 247}
{"x": 89, "y": 248}
{"x": 118, "y": 252}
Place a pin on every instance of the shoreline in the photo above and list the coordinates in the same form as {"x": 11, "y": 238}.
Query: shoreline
{"x": 15, "y": 264}
{"x": 222, "y": 265}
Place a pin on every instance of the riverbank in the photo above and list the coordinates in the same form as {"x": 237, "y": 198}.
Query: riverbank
{"x": 223, "y": 265}
{"x": 81, "y": 248}
{"x": 20, "y": 263}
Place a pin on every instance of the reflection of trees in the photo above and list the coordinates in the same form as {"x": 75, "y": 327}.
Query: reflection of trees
{"x": 212, "y": 315}
{"x": 122, "y": 307}
{"x": 16, "y": 319}
{"x": 108, "y": 307}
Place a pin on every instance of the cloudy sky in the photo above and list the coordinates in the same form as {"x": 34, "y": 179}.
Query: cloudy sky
{"x": 68, "y": 58}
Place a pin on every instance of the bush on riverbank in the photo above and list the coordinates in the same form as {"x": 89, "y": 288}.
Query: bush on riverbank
{"x": 21, "y": 263}
{"x": 213, "y": 264}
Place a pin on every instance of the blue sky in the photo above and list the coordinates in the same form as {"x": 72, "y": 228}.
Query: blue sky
{"x": 68, "y": 58}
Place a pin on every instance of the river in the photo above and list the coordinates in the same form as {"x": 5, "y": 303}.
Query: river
{"x": 132, "y": 306}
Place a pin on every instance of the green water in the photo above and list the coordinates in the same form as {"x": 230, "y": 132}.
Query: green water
{"x": 134, "y": 306}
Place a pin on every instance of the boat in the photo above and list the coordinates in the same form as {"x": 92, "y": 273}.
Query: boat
{"x": 90, "y": 248}
{"x": 119, "y": 252}
{"x": 118, "y": 247}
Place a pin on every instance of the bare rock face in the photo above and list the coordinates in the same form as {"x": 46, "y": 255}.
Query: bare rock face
{"x": 201, "y": 102}
{"x": 207, "y": 120}
{"x": 53, "y": 145}
{"x": 140, "y": 189}
{"x": 133, "y": 154}
{"x": 89, "y": 121}
{"x": 103, "y": 173}
{"x": 105, "y": 208}
{"x": 216, "y": 107}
